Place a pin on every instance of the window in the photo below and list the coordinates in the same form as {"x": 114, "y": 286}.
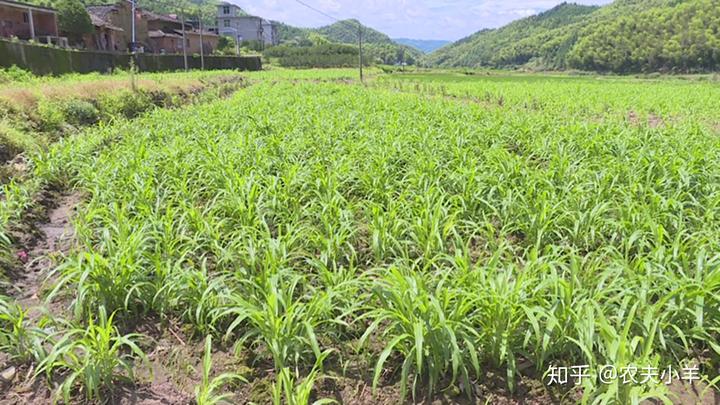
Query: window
{"x": 226, "y": 23}
{"x": 226, "y": 9}
{"x": 26, "y": 18}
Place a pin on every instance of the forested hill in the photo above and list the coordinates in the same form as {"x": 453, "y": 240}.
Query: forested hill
{"x": 625, "y": 36}
{"x": 379, "y": 47}
{"x": 497, "y": 47}
{"x": 342, "y": 32}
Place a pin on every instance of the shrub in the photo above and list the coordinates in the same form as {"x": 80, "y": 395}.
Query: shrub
{"x": 80, "y": 112}
{"x": 15, "y": 74}
{"x": 50, "y": 115}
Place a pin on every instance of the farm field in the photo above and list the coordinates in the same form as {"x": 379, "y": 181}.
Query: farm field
{"x": 427, "y": 237}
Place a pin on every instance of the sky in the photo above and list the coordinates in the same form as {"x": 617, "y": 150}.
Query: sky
{"x": 417, "y": 19}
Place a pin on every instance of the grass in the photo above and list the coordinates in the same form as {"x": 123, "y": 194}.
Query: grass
{"x": 442, "y": 230}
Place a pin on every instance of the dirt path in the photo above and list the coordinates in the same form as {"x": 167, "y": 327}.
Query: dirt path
{"x": 53, "y": 238}
{"x": 47, "y": 236}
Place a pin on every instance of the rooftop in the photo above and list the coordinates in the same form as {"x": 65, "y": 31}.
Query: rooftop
{"x": 196, "y": 32}
{"x": 27, "y": 5}
{"x": 99, "y": 22}
{"x": 162, "y": 34}
{"x": 150, "y": 16}
{"x": 100, "y": 11}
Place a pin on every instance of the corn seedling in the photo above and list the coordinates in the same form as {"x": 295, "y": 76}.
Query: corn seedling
{"x": 91, "y": 360}
{"x": 207, "y": 392}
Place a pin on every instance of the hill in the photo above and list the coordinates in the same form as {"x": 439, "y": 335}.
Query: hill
{"x": 625, "y": 36}
{"x": 490, "y": 47}
{"x": 378, "y": 46}
{"x": 423, "y": 45}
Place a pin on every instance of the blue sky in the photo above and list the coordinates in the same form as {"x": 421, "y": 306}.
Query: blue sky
{"x": 421, "y": 19}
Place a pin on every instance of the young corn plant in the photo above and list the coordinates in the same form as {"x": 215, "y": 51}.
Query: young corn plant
{"x": 92, "y": 360}
{"x": 289, "y": 391}
{"x": 429, "y": 326}
{"x": 272, "y": 310}
{"x": 21, "y": 341}
{"x": 207, "y": 392}
{"x": 619, "y": 347}
{"x": 193, "y": 295}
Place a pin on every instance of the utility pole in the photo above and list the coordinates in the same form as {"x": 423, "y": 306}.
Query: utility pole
{"x": 133, "y": 57}
{"x": 202, "y": 53}
{"x": 184, "y": 40}
{"x": 132, "y": 25}
{"x": 361, "y": 51}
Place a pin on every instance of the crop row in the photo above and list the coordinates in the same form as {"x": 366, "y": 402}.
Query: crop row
{"x": 314, "y": 224}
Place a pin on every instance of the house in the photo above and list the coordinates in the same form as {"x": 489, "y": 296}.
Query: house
{"x": 27, "y": 21}
{"x": 166, "y": 35}
{"x": 209, "y": 41}
{"x": 164, "y": 42}
{"x": 233, "y": 22}
{"x": 154, "y": 32}
{"x": 106, "y": 37}
{"x": 162, "y": 35}
{"x": 120, "y": 16}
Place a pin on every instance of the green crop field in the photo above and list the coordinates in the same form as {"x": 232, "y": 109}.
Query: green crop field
{"x": 441, "y": 237}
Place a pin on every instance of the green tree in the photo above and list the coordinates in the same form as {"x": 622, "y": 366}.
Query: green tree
{"x": 226, "y": 45}
{"x": 318, "y": 39}
{"x": 74, "y": 20}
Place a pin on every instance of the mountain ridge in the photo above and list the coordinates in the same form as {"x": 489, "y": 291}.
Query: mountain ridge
{"x": 379, "y": 46}
{"x": 423, "y": 45}
{"x": 622, "y": 37}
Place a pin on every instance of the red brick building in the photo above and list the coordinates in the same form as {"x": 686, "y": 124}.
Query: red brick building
{"x": 27, "y": 21}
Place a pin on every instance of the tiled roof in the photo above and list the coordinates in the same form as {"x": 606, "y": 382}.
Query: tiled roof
{"x": 196, "y": 32}
{"x": 99, "y": 22}
{"x": 161, "y": 34}
{"x": 101, "y": 12}
{"x": 150, "y": 16}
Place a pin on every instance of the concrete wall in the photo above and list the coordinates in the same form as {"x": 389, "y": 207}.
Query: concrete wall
{"x": 53, "y": 61}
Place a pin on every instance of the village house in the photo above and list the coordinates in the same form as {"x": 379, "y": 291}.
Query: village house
{"x": 27, "y": 21}
{"x": 209, "y": 41}
{"x": 166, "y": 34}
{"x": 232, "y": 22}
{"x": 106, "y": 36}
{"x": 119, "y": 16}
{"x": 155, "y": 33}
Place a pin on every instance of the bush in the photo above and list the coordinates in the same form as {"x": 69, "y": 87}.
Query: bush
{"x": 15, "y": 74}
{"x": 80, "y": 112}
{"x": 50, "y": 115}
{"x": 126, "y": 104}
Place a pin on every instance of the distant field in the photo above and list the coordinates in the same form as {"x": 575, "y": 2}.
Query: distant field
{"x": 439, "y": 236}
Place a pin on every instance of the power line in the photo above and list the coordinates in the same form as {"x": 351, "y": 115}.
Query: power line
{"x": 318, "y": 11}
{"x": 359, "y": 27}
